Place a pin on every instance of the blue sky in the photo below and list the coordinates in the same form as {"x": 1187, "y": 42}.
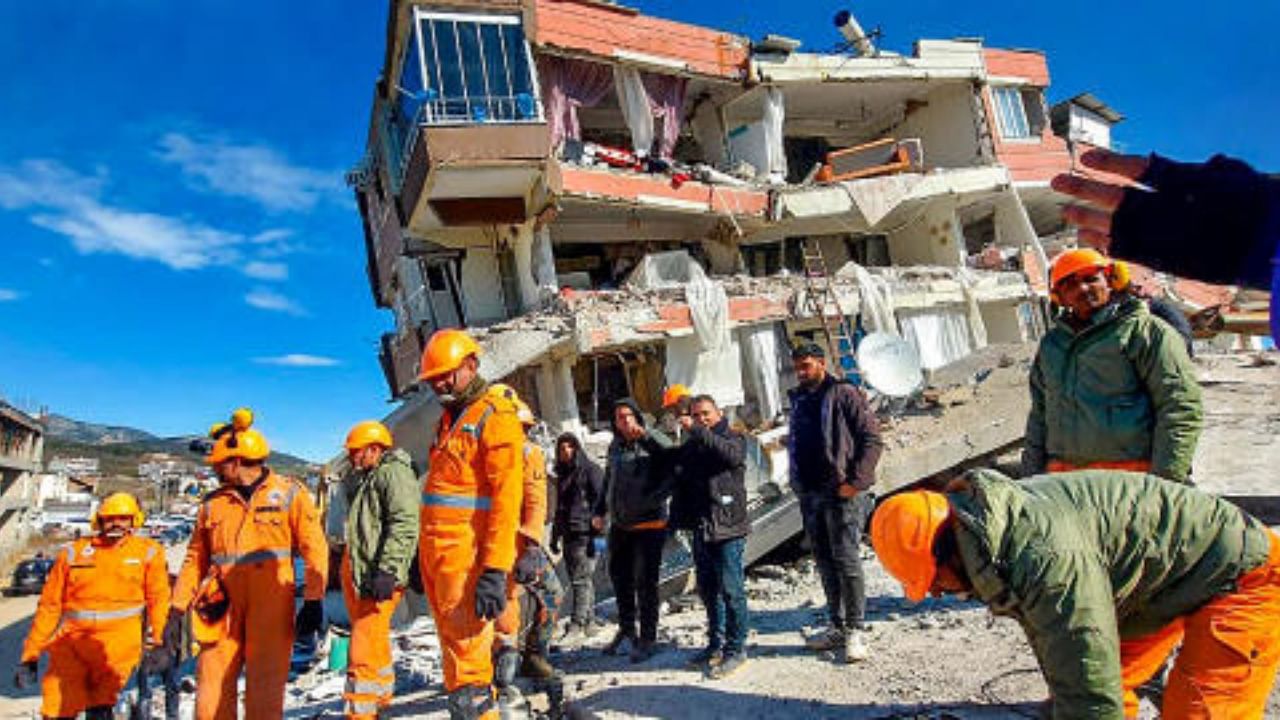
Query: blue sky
{"x": 176, "y": 240}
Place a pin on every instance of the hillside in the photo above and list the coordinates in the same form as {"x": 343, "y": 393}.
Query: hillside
{"x": 119, "y": 449}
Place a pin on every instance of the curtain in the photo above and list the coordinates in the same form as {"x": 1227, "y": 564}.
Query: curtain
{"x": 568, "y": 85}
{"x": 636, "y": 107}
{"x": 666, "y": 101}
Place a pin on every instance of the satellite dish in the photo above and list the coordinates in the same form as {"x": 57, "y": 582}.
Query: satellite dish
{"x": 889, "y": 364}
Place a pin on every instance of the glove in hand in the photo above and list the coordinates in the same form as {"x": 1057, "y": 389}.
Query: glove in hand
{"x": 491, "y": 594}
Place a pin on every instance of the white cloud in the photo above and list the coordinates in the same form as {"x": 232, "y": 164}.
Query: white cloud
{"x": 70, "y": 204}
{"x": 265, "y": 299}
{"x": 297, "y": 360}
{"x": 7, "y": 295}
{"x": 253, "y": 172}
{"x": 260, "y": 270}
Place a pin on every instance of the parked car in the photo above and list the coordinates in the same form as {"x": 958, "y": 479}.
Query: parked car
{"x": 30, "y": 575}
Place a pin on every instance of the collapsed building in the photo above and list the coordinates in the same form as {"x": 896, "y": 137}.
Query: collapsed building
{"x": 613, "y": 202}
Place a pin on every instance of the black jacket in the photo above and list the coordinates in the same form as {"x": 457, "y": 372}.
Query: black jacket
{"x": 850, "y": 438}
{"x": 637, "y": 478}
{"x": 578, "y": 488}
{"x": 711, "y": 497}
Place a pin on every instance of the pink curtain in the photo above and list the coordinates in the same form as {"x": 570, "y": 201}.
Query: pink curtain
{"x": 566, "y": 86}
{"x": 666, "y": 101}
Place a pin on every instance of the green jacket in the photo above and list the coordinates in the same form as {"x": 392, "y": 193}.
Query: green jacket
{"x": 1121, "y": 389}
{"x": 382, "y": 519}
{"x": 1083, "y": 559}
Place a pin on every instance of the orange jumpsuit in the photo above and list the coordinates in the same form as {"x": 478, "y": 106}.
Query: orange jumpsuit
{"x": 366, "y": 695}
{"x": 252, "y": 543}
{"x": 90, "y": 620}
{"x": 533, "y": 520}
{"x": 470, "y": 509}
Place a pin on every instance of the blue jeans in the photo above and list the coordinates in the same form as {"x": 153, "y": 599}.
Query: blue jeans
{"x": 721, "y": 586}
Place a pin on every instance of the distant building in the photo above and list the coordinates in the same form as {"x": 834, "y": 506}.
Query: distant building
{"x": 21, "y": 450}
{"x": 75, "y": 466}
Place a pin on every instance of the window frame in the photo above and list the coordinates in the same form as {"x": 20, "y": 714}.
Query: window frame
{"x": 1000, "y": 107}
{"x": 495, "y": 19}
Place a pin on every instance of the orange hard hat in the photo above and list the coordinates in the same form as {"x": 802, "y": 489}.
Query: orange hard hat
{"x": 672, "y": 395}
{"x": 119, "y": 504}
{"x": 445, "y": 352}
{"x": 1073, "y": 261}
{"x": 369, "y": 432}
{"x": 245, "y": 444}
{"x": 903, "y": 529}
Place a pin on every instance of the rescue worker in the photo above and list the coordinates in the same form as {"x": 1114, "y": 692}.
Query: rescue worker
{"x": 238, "y": 577}
{"x": 529, "y": 559}
{"x": 1111, "y": 386}
{"x": 471, "y": 503}
{"x": 91, "y": 612}
{"x": 1106, "y": 571}
{"x": 381, "y": 537}
{"x": 834, "y": 446}
{"x": 676, "y": 400}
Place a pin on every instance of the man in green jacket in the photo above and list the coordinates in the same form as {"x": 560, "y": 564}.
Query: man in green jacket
{"x": 1106, "y": 571}
{"x": 381, "y": 537}
{"x": 1112, "y": 386}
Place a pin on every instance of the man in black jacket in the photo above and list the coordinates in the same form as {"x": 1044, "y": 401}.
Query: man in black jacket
{"x": 712, "y": 467}
{"x": 579, "y": 485}
{"x": 834, "y": 446}
{"x": 635, "y": 504}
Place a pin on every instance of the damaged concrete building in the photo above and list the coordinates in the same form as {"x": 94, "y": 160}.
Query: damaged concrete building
{"x": 614, "y": 202}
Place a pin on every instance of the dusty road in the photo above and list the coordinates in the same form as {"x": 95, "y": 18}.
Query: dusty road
{"x": 15, "y": 621}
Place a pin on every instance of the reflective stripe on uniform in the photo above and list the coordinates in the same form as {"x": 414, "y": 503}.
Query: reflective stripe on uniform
{"x": 103, "y": 614}
{"x": 251, "y": 557}
{"x": 362, "y": 707}
{"x": 370, "y": 687}
{"x": 462, "y": 502}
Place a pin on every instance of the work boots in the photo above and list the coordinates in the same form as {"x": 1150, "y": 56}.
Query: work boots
{"x": 615, "y": 645}
{"x": 831, "y": 639}
{"x": 470, "y": 702}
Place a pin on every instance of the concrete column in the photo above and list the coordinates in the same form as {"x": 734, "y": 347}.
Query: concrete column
{"x": 544, "y": 262}
{"x": 556, "y": 396}
{"x": 522, "y": 249}
{"x": 1014, "y": 228}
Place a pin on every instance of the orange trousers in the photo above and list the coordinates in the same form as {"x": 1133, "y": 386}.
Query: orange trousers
{"x": 1142, "y": 466}
{"x": 259, "y": 642}
{"x": 1230, "y": 652}
{"x": 89, "y": 664}
{"x": 371, "y": 678}
{"x": 449, "y": 574}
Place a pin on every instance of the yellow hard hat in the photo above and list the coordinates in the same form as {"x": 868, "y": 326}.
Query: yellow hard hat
{"x": 445, "y": 352}
{"x": 524, "y": 413}
{"x": 246, "y": 445}
{"x": 369, "y": 432}
{"x": 119, "y": 504}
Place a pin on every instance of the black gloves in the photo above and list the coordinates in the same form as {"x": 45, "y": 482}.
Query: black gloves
{"x": 555, "y": 544}
{"x": 309, "y": 619}
{"x": 529, "y": 566}
{"x": 171, "y": 639}
{"x": 156, "y": 660}
{"x": 491, "y": 594}
{"x": 382, "y": 585}
{"x": 24, "y": 675}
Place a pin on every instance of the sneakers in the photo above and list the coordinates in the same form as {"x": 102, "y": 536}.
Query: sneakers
{"x": 705, "y": 658}
{"x": 731, "y": 664}
{"x": 854, "y": 650}
{"x": 829, "y": 639}
{"x": 643, "y": 650}
{"x": 615, "y": 646}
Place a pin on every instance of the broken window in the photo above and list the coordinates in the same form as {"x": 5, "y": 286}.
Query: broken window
{"x": 469, "y": 68}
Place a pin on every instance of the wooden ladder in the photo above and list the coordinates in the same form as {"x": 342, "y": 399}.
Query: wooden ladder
{"x": 819, "y": 293}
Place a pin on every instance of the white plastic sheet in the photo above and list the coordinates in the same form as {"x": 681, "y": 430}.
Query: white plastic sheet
{"x": 762, "y": 369}
{"x": 671, "y": 269}
{"x": 708, "y": 361}
{"x": 876, "y": 295}
{"x": 634, "y": 102}
{"x": 774, "y": 115}
{"x": 940, "y": 335}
